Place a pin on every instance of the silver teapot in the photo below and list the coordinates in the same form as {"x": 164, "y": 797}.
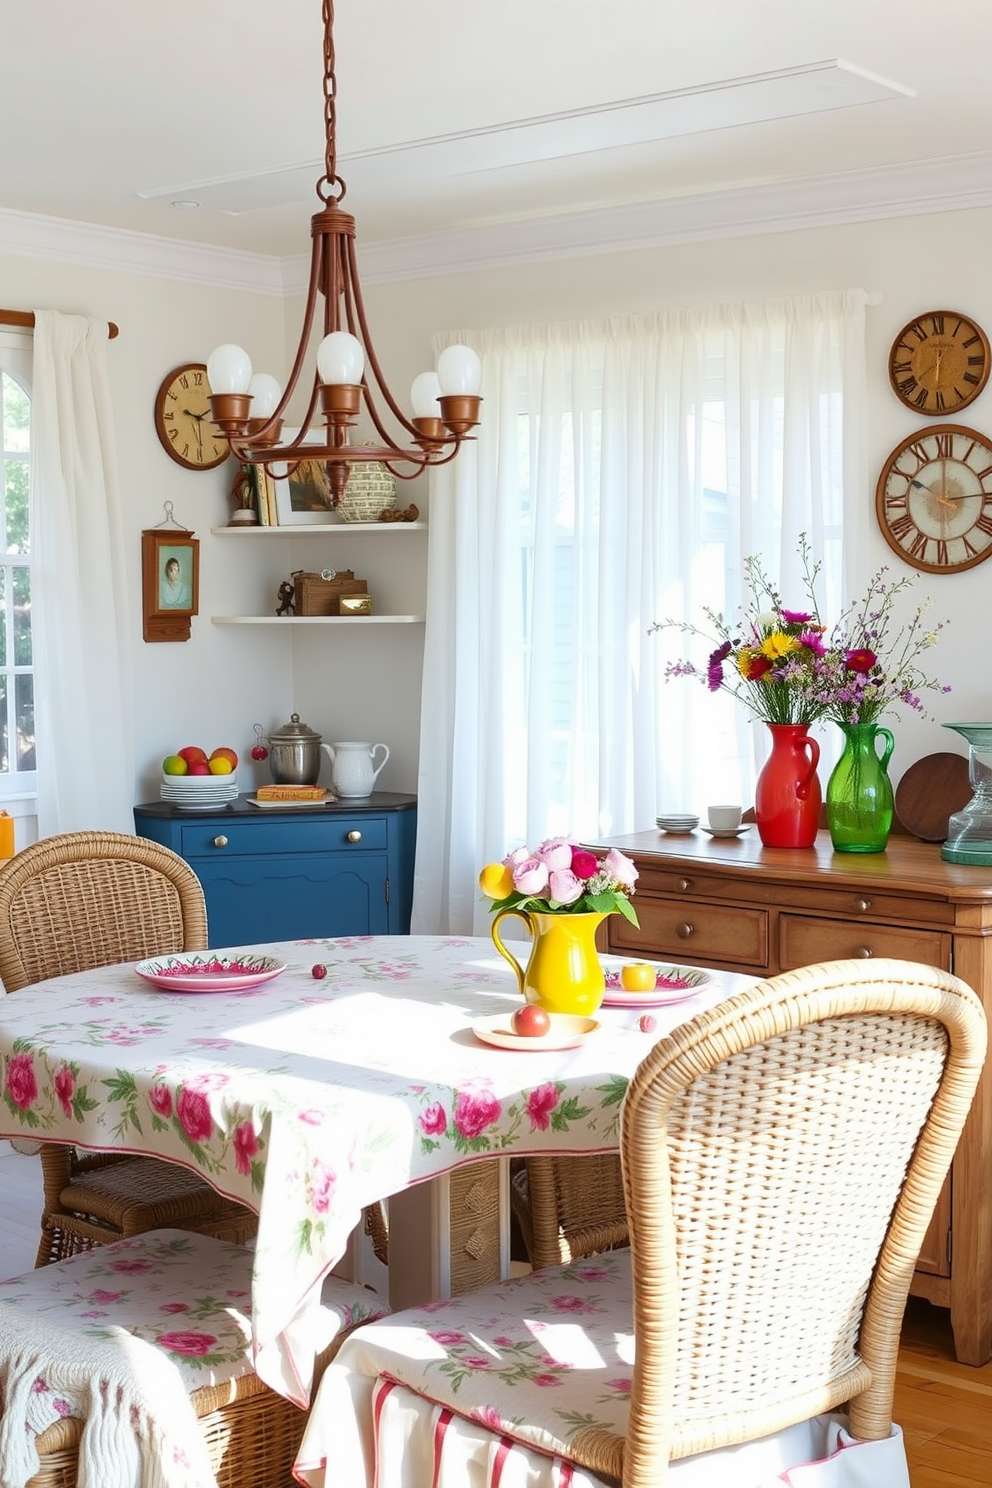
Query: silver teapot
{"x": 294, "y": 753}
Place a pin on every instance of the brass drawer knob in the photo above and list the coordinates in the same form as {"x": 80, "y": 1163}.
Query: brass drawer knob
{"x": 862, "y": 905}
{"x": 865, "y": 953}
{"x": 220, "y": 841}
{"x": 683, "y": 885}
{"x": 684, "y": 931}
{"x": 354, "y": 836}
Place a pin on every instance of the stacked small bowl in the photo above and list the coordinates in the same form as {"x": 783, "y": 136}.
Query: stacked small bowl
{"x": 678, "y": 823}
{"x": 199, "y": 792}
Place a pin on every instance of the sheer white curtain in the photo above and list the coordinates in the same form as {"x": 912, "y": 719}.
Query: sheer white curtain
{"x": 622, "y": 470}
{"x": 80, "y": 622}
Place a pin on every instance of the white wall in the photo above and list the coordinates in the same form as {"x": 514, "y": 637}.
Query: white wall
{"x": 211, "y": 689}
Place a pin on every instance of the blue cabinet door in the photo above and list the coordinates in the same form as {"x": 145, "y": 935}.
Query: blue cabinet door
{"x": 253, "y": 899}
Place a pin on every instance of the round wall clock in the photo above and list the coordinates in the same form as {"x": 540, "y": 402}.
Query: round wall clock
{"x": 939, "y": 362}
{"x": 934, "y": 499}
{"x": 183, "y": 422}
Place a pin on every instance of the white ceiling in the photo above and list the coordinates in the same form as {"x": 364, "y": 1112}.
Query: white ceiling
{"x": 462, "y": 116}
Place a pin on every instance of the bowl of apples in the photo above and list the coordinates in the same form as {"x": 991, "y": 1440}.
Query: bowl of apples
{"x": 194, "y": 780}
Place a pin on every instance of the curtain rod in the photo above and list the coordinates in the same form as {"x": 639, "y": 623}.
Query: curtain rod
{"x": 25, "y": 318}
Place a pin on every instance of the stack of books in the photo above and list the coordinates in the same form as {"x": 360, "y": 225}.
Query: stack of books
{"x": 290, "y": 795}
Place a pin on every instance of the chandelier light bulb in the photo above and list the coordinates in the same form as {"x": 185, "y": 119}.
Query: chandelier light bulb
{"x": 229, "y": 369}
{"x": 265, "y": 394}
{"x": 424, "y": 395}
{"x": 459, "y": 371}
{"x": 340, "y": 359}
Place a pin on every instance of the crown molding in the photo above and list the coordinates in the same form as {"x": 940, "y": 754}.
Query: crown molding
{"x": 59, "y": 240}
{"x": 954, "y": 183}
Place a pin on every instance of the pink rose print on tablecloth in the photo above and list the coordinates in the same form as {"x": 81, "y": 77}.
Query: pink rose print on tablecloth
{"x": 322, "y": 1182}
{"x": 475, "y": 1110}
{"x": 488, "y": 1417}
{"x": 193, "y": 1344}
{"x": 133, "y": 1268}
{"x": 65, "y": 1084}
{"x": 447, "y": 1337}
{"x": 433, "y": 1120}
{"x": 160, "y": 1100}
{"x": 22, "y": 1084}
{"x": 193, "y": 1111}
{"x": 245, "y": 1146}
{"x": 104, "y": 1297}
{"x": 570, "y": 1304}
{"x": 540, "y": 1103}
{"x": 174, "y": 1307}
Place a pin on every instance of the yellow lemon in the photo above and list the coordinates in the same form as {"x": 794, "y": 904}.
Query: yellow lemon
{"x": 496, "y": 880}
{"x": 220, "y": 766}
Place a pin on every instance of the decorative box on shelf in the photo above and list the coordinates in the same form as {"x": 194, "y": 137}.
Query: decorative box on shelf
{"x": 320, "y": 593}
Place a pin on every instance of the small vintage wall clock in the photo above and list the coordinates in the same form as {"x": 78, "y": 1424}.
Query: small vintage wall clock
{"x": 939, "y": 362}
{"x": 934, "y": 499}
{"x": 183, "y": 422}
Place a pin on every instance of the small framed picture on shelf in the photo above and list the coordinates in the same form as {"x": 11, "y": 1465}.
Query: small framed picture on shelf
{"x": 170, "y": 582}
{"x": 302, "y": 491}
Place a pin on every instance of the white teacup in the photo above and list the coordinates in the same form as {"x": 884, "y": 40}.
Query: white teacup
{"x": 724, "y": 818}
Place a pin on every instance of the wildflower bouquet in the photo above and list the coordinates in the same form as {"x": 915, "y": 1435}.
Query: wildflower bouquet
{"x": 768, "y": 661}
{"x": 871, "y": 659}
{"x": 560, "y": 877}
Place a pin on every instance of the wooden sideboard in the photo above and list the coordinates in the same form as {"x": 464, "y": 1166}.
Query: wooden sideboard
{"x": 739, "y": 906}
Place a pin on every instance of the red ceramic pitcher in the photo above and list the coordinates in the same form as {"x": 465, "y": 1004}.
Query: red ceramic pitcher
{"x": 787, "y": 794}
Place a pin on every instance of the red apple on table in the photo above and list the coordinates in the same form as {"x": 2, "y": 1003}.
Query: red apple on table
{"x": 192, "y": 754}
{"x": 530, "y": 1021}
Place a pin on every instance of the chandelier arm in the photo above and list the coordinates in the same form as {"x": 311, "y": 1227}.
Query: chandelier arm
{"x": 355, "y": 287}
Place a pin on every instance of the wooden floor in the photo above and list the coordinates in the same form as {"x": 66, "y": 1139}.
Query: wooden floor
{"x": 944, "y": 1408}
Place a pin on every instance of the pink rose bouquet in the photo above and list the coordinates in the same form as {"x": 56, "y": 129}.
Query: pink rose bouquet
{"x": 561, "y": 877}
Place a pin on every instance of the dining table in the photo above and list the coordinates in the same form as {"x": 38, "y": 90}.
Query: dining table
{"x": 362, "y": 1069}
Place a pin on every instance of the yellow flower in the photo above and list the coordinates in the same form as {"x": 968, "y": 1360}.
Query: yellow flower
{"x": 778, "y": 644}
{"x": 496, "y": 880}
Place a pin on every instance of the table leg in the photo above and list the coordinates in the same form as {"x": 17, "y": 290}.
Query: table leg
{"x": 450, "y": 1235}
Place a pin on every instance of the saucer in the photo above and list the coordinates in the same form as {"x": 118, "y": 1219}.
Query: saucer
{"x": 566, "y": 1031}
{"x": 728, "y": 831}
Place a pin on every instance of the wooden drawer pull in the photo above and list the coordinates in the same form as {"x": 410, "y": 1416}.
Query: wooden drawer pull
{"x": 354, "y": 836}
{"x": 220, "y": 841}
{"x": 683, "y": 885}
{"x": 684, "y": 931}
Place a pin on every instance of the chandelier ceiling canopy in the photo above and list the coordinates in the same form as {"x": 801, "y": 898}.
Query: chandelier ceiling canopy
{"x": 249, "y": 407}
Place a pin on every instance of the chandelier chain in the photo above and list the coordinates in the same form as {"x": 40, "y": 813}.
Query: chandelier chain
{"x": 331, "y": 187}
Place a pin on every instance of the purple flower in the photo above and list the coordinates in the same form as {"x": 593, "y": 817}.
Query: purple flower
{"x": 796, "y": 617}
{"x": 714, "y": 667}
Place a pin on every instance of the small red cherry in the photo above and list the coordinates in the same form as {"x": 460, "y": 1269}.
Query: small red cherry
{"x": 646, "y": 1023}
{"x": 318, "y": 972}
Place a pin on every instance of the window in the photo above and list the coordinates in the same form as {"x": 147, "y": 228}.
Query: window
{"x": 17, "y": 736}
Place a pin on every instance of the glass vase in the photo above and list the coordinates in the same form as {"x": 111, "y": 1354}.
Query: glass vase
{"x": 969, "y": 832}
{"x": 859, "y": 791}
{"x": 787, "y": 792}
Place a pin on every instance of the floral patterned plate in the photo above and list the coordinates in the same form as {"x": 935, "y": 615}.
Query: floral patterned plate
{"x": 672, "y": 984}
{"x": 566, "y": 1031}
{"x": 207, "y": 973}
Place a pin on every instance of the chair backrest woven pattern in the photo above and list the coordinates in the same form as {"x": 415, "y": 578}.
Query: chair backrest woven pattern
{"x": 782, "y": 1155}
{"x": 85, "y": 899}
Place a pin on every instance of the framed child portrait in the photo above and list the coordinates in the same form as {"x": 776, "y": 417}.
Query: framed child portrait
{"x": 170, "y": 583}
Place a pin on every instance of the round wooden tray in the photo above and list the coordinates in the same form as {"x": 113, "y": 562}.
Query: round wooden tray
{"x": 931, "y": 789}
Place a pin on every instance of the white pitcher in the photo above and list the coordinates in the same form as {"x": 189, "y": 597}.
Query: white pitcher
{"x": 353, "y": 767}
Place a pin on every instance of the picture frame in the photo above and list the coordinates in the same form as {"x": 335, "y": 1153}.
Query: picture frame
{"x": 170, "y": 583}
{"x": 303, "y": 495}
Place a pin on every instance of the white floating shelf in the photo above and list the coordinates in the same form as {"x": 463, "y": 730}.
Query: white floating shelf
{"x": 319, "y": 529}
{"x": 287, "y": 620}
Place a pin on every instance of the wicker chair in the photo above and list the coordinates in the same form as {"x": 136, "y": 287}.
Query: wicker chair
{"x": 568, "y": 1207}
{"x": 782, "y": 1155}
{"x": 87, "y": 899}
{"x": 251, "y": 1434}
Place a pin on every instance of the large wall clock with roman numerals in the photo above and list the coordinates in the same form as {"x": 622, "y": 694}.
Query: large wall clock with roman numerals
{"x": 934, "y": 499}
{"x": 939, "y": 362}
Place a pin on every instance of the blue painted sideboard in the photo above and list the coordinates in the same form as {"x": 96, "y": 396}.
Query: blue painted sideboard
{"x": 287, "y": 874}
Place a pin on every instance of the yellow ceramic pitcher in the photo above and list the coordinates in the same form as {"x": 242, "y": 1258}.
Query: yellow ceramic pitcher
{"x": 563, "y": 973}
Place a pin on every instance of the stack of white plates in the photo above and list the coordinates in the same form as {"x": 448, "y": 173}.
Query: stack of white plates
{"x": 198, "y": 792}
{"x": 677, "y": 821}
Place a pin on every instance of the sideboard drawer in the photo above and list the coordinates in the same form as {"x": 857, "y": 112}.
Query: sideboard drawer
{"x": 335, "y": 834}
{"x": 805, "y": 941}
{"x": 689, "y": 931}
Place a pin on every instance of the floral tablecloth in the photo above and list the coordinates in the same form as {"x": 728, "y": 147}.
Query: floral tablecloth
{"x": 310, "y": 1099}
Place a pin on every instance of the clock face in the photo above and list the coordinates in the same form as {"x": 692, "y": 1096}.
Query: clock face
{"x": 934, "y": 499}
{"x": 183, "y": 421}
{"x": 939, "y": 362}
